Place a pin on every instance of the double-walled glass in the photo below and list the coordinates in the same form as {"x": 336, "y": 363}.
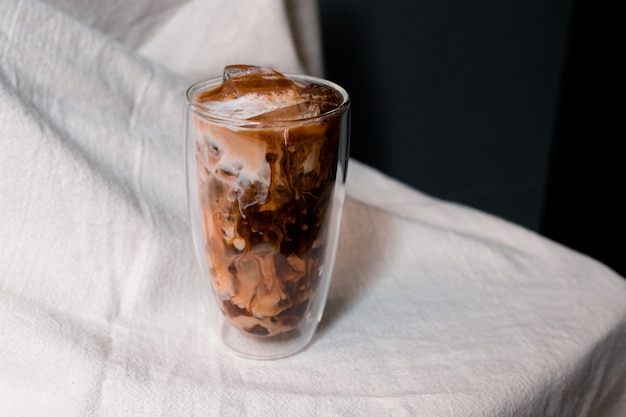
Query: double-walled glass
{"x": 265, "y": 201}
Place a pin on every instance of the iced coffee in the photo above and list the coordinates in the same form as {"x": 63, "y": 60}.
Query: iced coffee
{"x": 267, "y": 151}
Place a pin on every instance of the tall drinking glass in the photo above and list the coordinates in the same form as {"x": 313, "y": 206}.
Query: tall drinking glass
{"x": 266, "y": 158}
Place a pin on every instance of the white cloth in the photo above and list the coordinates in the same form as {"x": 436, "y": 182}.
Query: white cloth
{"x": 435, "y": 309}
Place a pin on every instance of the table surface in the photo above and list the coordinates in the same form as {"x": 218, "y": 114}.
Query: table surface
{"x": 434, "y": 309}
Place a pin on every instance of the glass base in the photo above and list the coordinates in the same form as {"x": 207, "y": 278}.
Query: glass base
{"x": 272, "y": 347}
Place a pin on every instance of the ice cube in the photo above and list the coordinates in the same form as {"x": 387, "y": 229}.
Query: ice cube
{"x": 240, "y": 80}
{"x": 249, "y": 91}
{"x": 233, "y": 73}
{"x": 322, "y": 96}
{"x": 302, "y": 110}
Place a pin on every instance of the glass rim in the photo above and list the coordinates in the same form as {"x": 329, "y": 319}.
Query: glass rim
{"x": 244, "y": 123}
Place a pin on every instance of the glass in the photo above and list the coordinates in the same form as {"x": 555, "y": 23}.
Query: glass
{"x": 265, "y": 201}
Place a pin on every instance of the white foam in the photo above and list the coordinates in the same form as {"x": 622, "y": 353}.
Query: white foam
{"x": 253, "y": 104}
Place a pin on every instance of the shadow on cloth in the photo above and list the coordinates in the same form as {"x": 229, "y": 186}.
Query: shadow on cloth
{"x": 359, "y": 263}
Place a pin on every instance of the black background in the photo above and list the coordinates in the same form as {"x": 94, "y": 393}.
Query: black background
{"x": 505, "y": 106}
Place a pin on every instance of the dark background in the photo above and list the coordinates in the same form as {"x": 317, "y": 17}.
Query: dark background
{"x": 498, "y": 105}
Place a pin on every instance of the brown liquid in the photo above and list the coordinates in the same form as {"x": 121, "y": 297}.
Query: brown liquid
{"x": 265, "y": 195}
